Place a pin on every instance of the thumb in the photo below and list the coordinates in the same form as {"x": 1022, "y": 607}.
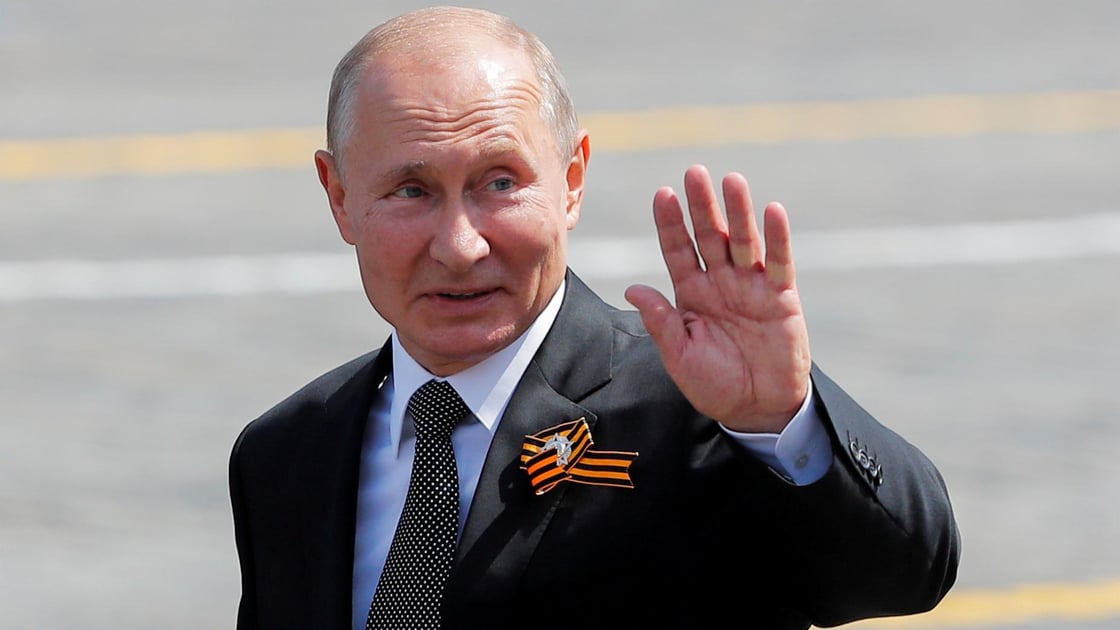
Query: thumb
{"x": 662, "y": 321}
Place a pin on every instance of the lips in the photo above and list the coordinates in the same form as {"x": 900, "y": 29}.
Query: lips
{"x": 465, "y": 294}
{"x": 462, "y": 296}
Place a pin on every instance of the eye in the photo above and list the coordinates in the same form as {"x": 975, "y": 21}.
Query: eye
{"x": 500, "y": 184}
{"x": 409, "y": 192}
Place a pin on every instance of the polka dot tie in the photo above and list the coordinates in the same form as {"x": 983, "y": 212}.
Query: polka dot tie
{"x": 411, "y": 586}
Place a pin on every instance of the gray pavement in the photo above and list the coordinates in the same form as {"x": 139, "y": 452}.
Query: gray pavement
{"x": 117, "y": 416}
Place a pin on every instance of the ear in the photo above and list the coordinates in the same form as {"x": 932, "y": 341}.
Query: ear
{"x": 577, "y": 174}
{"x": 331, "y": 180}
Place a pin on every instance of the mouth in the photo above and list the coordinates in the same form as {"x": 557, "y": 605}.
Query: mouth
{"x": 462, "y": 296}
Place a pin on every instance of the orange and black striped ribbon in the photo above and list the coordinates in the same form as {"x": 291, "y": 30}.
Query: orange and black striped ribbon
{"x": 563, "y": 453}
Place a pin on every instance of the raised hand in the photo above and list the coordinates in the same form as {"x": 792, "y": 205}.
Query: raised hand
{"x": 736, "y": 342}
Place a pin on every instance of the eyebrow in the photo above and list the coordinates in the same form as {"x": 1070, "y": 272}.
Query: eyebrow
{"x": 491, "y": 150}
{"x": 407, "y": 170}
{"x": 501, "y": 146}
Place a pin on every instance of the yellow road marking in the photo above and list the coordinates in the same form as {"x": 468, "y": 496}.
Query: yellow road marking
{"x": 992, "y": 608}
{"x": 839, "y": 121}
{"x": 767, "y": 123}
{"x": 158, "y": 154}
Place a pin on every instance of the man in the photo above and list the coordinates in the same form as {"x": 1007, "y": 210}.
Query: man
{"x": 703, "y": 472}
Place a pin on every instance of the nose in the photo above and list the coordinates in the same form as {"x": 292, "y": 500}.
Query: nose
{"x": 456, "y": 242}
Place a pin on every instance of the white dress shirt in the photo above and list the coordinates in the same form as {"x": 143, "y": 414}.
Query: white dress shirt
{"x": 801, "y": 453}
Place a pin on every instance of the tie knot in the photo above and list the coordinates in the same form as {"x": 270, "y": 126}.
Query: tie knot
{"x": 436, "y": 408}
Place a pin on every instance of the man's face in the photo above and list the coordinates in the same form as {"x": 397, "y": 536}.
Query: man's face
{"x": 457, "y": 201}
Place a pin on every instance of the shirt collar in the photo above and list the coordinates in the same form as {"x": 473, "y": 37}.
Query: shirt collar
{"x": 485, "y": 387}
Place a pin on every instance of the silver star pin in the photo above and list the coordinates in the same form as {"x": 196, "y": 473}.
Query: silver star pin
{"x": 562, "y": 446}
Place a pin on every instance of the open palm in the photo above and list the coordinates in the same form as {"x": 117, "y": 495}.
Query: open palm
{"x": 736, "y": 342}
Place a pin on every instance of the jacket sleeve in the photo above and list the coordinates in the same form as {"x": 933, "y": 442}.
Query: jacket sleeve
{"x": 876, "y": 536}
{"x": 246, "y": 610}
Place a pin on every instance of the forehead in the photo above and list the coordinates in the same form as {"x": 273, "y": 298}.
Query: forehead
{"x": 479, "y": 86}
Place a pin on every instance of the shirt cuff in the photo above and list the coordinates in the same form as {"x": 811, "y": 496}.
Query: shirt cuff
{"x": 801, "y": 453}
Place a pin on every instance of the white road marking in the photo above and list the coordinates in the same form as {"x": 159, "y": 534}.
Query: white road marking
{"x": 591, "y": 257}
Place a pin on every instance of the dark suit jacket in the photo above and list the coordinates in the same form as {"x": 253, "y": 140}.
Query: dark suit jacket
{"x": 708, "y": 533}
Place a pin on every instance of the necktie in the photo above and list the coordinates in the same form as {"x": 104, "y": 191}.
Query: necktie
{"x": 411, "y": 586}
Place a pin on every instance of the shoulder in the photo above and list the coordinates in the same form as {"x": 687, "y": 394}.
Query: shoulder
{"x": 295, "y": 413}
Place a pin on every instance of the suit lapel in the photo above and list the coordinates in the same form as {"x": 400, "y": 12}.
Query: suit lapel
{"x": 507, "y": 520}
{"x": 331, "y": 492}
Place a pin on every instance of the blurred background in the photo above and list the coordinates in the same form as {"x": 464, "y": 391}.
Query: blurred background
{"x": 169, "y": 268}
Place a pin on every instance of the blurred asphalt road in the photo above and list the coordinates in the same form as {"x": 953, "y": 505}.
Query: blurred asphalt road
{"x": 960, "y": 270}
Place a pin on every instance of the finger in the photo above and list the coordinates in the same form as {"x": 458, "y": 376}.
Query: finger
{"x": 744, "y": 240}
{"x": 676, "y": 243}
{"x": 708, "y": 224}
{"x": 663, "y": 322}
{"x": 779, "y": 249}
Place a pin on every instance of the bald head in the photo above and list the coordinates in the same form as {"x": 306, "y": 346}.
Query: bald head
{"x": 439, "y": 35}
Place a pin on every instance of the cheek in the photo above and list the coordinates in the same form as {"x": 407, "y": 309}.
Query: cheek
{"x": 543, "y": 211}
{"x": 537, "y": 229}
{"x": 388, "y": 250}
{"x": 533, "y": 246}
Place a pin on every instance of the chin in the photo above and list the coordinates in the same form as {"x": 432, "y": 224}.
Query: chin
{"x": 466, "y": 346}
